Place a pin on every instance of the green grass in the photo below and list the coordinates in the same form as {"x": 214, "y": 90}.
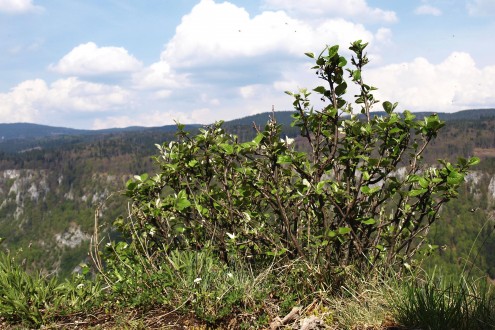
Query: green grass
{"x": 133, "y": 288}
{"x": 434, "y": 302}
{"x": 34, "y": 299}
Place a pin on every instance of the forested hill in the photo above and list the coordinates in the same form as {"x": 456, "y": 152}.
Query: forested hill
{"x": 35, "y": 131}
{"x": 29, "y": 131}
{"x": 52, "y": 181}
{"x": 34, "y": 140}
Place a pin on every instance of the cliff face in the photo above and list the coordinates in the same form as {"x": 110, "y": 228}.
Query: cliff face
{"x": 49, "y": 220}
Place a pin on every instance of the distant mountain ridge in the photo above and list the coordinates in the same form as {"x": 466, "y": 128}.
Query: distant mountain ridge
{"x": 30, "y": 131}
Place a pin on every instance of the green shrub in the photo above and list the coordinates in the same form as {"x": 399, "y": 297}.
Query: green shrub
{"x": 341, "y": 204}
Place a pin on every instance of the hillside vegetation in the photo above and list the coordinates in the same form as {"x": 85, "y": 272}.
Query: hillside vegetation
{"x": 325, "y": 222}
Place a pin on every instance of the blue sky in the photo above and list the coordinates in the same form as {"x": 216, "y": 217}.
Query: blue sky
{"x": 116, "y": 63}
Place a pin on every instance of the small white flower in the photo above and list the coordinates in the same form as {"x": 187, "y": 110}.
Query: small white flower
{"x": 230, "y": 275}
{"x": 288, "y": 141}
{"x": 197, "y": 280}
{"x": 231, "y": 236}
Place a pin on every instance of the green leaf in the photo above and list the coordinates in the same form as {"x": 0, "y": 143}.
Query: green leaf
{"x": 284, "y": 159}
{"x": 340, "y": 89}
{"x": 311, "y": 55}
{"x": 131, "y": 185}
{"x": 413, "y": 178}
{"x": 228, "y": 148}
{"x": 473, "y": 161}
{"x": 455, "y": 178}
{"x": 344, "y": 230}
{"x": 356, "y": 75}
{"x": 367, "y": 190}
{"x": 258, "y": 138}
{"x": 370, "y": 221}
{"x": 180, "y": 229}
{"x": 388, "y": 107}
{"x": 320, "y": 89}
{"x": 141, "y": 177}
{"x": 423, "y": 183}
{"x": 181, "y": 202}
{"x": 332, "y": 51}
{"x": 331, "y": 234}
{"x": 417, "y": 192}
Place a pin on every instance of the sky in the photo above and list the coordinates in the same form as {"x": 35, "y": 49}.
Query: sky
{"x": 97, "y": 64}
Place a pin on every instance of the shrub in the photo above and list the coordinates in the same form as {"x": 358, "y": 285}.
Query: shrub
{"x": 343, "y": 204}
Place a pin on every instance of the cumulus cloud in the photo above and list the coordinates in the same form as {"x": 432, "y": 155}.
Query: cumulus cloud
{"x": 90, "y": 60}
{"x": 222, "y": 30}
{"x": 72, "y": 94}
{"x": 355, "y": 9}
{"x": 481, "y": 7}
{"x": 427, "y": 10}
{"x": 224, "y": 33}
{"x": 36, "y": 101}
{"x": 20, "y": 104}
{"x": 454, "y": 84}
{"x": 18, "y": 6}
{"x": 159, "y": 75}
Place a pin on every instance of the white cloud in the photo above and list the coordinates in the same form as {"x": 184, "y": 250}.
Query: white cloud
{"x": 36, "y": 101}
{"x": 355, "y": 9}
{"x": 18, "y": 6}
{"x": 250, "y": 91}
{"x": 159, "y": 75}
{"x": 152, "y": 118}
{"x": 427, "y": 10}
{"x": 224, "y": 33}
{"x": 452, "y": 85}
{"x": 90, "y": 60}
{"x": 383, "y": 36}
{"x": 72, "y": 94}
{"x": 20, "y": 104}
{"x": 481, "y": 7}
{"x": 218, "y": 31}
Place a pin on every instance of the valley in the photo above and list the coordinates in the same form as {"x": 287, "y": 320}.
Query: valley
{"x": 52, "y": 184}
